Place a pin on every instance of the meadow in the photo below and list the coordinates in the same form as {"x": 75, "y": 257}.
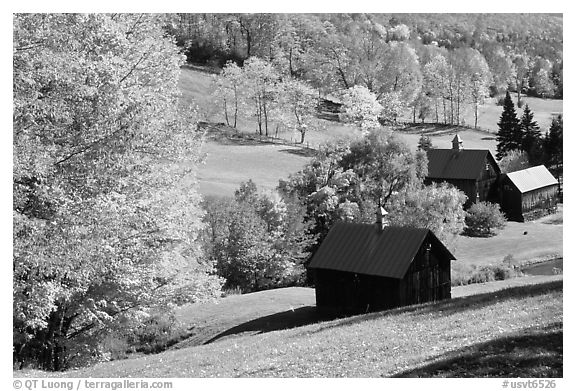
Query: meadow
{"x": 227, "y": 164}
{"x": 500, "y": 330}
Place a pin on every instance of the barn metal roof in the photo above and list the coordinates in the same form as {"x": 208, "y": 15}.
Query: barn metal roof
{"x": 532, "y": 178}
{"x": 458, "y": 164}
{"x": 365, "y": 249}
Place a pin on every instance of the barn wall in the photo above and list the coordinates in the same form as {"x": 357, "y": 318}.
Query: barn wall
{"x": 539, "y": 202}
{"x": 354, "y": 293}
{"x": 511, "y": 201}
{"x": 526, "y": 206}
{"x": 487, "y": 186}
{"x": 427, "y": 279}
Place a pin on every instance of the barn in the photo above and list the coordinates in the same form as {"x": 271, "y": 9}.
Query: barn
{"x": 528, "y": 194}
{"x": 473, "y": 171}
{"x": 363, "y": 267}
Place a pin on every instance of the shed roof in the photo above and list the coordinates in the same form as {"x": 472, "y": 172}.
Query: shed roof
{"x": 458, "y": 164}
{"x": 532, "y": 178}
{"x": 365, "y": 249}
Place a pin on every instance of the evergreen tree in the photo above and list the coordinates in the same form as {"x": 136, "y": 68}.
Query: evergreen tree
{"x": 531, "y": 139}
{"x": 530, "y": 129}
{"x": 509, "y": 133}
{"x": 553, "y": 146}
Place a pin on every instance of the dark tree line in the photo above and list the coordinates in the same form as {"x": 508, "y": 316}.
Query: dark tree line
{"x": 524, "y": 135}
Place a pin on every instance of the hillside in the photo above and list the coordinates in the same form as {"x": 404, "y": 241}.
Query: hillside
{"x": 495, "y": 332}
{"x": 227, "y": 164}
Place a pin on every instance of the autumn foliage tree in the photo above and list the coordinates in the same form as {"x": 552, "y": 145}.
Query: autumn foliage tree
{"x": 347, "y": 181}
{"x": 105, "y": 211}
{"x": 256, "y": 240}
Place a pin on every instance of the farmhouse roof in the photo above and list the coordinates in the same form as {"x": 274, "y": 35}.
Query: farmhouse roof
{"x": 365, "y": 249}
{"x": 532, "y": 178}
{"x": 458, "y": 164}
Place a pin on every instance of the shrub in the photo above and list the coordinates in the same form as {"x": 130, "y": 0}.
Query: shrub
{"x": 465, "y": 274}
{"x": 483, "y": 218}
{"x": 156, "y": 333}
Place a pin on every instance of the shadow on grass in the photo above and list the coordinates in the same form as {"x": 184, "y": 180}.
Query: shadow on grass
{"x": 310, "y": 314}
{"x": 305, "y": 152}
{"x": 534, "y": 352}
{"x": 452, "y": 306}
{"x": 282, "y": 320}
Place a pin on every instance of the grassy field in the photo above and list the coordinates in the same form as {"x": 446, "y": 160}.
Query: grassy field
{"x": 500, "y": 331}
{"x": 489, "y": 113}
{"x": 227, "y": 165}
{"x": 542, "y": 241}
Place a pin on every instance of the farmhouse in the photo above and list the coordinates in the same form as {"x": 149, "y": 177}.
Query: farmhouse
{"x": 528, "y": 194}
{"x": 367, "y": 267}
{"x": 473, "y": 171}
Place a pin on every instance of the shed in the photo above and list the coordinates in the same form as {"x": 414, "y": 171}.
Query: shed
{"x": 528, "y": 194}
{"x": 363, "y": 267}
{"x": 473, "y": 171}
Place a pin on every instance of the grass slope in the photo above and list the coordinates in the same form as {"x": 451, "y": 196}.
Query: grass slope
{"x": 542, "y": 241}
{"x": 516, "y": 331}
{"x": 226, "y": 166}
{"x": 246, "y": 314}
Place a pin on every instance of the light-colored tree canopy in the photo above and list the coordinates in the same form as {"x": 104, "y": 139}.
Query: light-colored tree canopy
{"x": 105, "y": 210}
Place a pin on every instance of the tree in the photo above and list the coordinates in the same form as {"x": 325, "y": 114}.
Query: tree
{"x": 514, "y": 160}
{"x": 385, "y": 165}
{"x": 105, "y": 210}
{"x": 400, "y": 73}
{"x": 261, "y": 81}
{"x": 543, "y": 84}
{"x": 400, "y": 32}
{"x": 436, "y": 80}
{"x": 229, "y": 86}
{"x": 349, "y": 180}
{"x": 436, "y": 207}
{"x": 425, "y": 143}
{"x": 483, "y": 218}
{"x": 531, "y": 139}
{"x": 392, "y": 106}
{"x": 553, "y": 146}
{"x": 480, "y": 80}
{"x": 299, "y": 101}
{"x": 256, "y": 241}
{"x": 521, "y": 71}
{"x": 509, "y": 133}
{"x": 501, "y": 67}
{"x": 360, "y": 107}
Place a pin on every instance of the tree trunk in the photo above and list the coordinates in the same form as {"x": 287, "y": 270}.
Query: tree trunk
{"x": 235, "y": 106}
{"x": 476, "y": 116}
{"x": 265, "y": 117}
{"x": 226, "y": 113}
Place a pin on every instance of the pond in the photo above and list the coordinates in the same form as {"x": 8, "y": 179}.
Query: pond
{"x": 547, "y": 268}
